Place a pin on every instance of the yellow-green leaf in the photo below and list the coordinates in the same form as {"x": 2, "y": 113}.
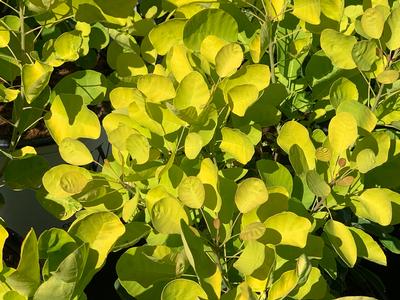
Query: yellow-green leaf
{"x": 367, "y": 248}
{"x": 164, "y": 36}
{"x": 393, "y": 23}
{"x": 35, "y": 78}
{"x": 287, "y": 228}
{"x": 138, "y": 147}
{"x": 156, "y": 88}
{"x": 193, "y": 145}
{"x": 372, "y": 22}
{"x": 293, "y": 133}
{"x": 342, "y": 241}
{"x": 180, "y": 289}
{"x": 388, "y": 76}
{"x": 308, "y": 11}
{"x": 122, "y": 97}
{"x": 237, "y": 144}
{"x": 3, "y": 237}
{"x": 241, "y": 97}
{"x": 283, "y": 285}
{"x": 228, "y": 59}
{"x": 250, "y": 194}
{"x": 75, "y": 152}
{"x": 342, "y": 132}
{"x": 365, "y": 118}
{"x": 191, "y": 192}
{"x": 69, "y": 117}
{"x": 333, "y": 9}
{"x": 192, "y": 92}
{"x": 166, "y": 215}
{"x": 4, "y": 36}
{"x": 338, "y": 47}
{"x": 341, "y": 90}
{"x": 375, "y": 205}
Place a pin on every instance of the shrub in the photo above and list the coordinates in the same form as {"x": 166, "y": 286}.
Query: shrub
{"x": 254, "y": 145}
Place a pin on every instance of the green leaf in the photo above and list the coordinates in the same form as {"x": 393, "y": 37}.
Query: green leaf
{"x": 26, "y": 278}
{"x": 342, "y": 132}
{"x": 100, "y": 230}
{"x": 293, "y": 133}
{"x": 341, "y": 90}
{"x": 364, "y": 55}
{"x": 140, "y": 268}
{"x": 138, "y": 147}
{"x": 35, "y": 78}
{"x": 193, "y": 145}
{"x": 134, "y": 232}
{"x": 62, "y": 208}
{"x": 130, "y": 64}
{"x": 375, "y": 205}
{"x": 70, "y": 118}
{"x": 166, "y": 215}
{"x": 166, "y": 35}
{"x": 338, "y": 47}
{"x": 298, "y": 160}
{"x": 308, "y": 11}
{"x": 367, "y": 248}
{"x": 57, "y": 180}
{"x": 252, "y": 231}
{"x": 275, "y": 174}
{"x": 251, "y": 258}
{"x": 75, "y": 152}
{"x": 192, "y": 92}
{"x": 388, "y": 76}
{"x": 333, "y": 9}
{"x": 177, "y": 61}
{"x": 4, "y": 36}
{"x": 25, "y": 172}
{"x": 342, "y": 241}
{"x": 206, "y": 270}
{"x": 90, "y": 85}
{"x": 287, "y": 228}
{"x": 228, "y": 59}
{"x": 283, "y": 285}
{"x": 372, "y": 22}
{"x": 3, "y": 237}
{"x": 250, "y": 194}
{"x": 209, "y": 22}
{"x": 241, "y": 97}
{"x": 237, "y": 144}
{"x": 68, "y": 45}
{"x": 363, "y": 115}
{"x": 315, "y": 286}
{"x": 317, "y": 184}
{"x": 275, "y": 8}
{"x": 183, "y": 288}
{"x": 191, "y": 192}
{"x": 255, "y": 74}
{"x": 392, "y": 30}
{"x": 164, "y": 91}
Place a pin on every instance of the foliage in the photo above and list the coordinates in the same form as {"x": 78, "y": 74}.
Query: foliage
{"x": 255, "y": 145}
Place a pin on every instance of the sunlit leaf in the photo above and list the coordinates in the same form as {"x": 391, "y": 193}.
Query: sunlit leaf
{"x": 35, "y": 78}
{"x": 164, "y": 91}
{"x": 237, "y": 144}
{"x": 228, "y": 59}
{"x": 342, "y": 241}
{"x": 338, "y": 47}
{"x": 342, "y": 132}
{"x": 183, "y": 288}
{"x": 250, "y": 194}
{"x": 191, "y": 192}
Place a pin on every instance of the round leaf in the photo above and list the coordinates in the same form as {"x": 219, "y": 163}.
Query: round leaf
{"x": 4, "y": 36}
{"x": 372, "y": 22}
{"x": 166, "y": 35}
{"x": 193, "y": 145}
{"x": 342, "y": 132}
{"x": 250, "y": 194}
{"x": 138, "y": 147}
{"x": 191, "y": 192}
{"x": 156, "y": 88}
{"x": 183, "y": 289}
{"x": 342, "y": 89}
{"x": 375, "y": 205}
{"x": 342, "y": 241}
{"x": 228, "y": 59}
{"x": 237, "y": 144}
{"x": 167, "y": 214}
{"x": 242, "y": 97}
{"x": 338, "y": 47}
{"x": 75, "y": 152}
{"x": 388, "y": 76}
{"x": 209, "y": 22}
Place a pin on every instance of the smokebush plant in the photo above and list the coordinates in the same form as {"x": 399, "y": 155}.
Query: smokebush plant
{"x": 254, "y": 146}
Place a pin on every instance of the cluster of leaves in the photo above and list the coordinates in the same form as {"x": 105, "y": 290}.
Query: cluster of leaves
{"x": 255, "y": 145}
